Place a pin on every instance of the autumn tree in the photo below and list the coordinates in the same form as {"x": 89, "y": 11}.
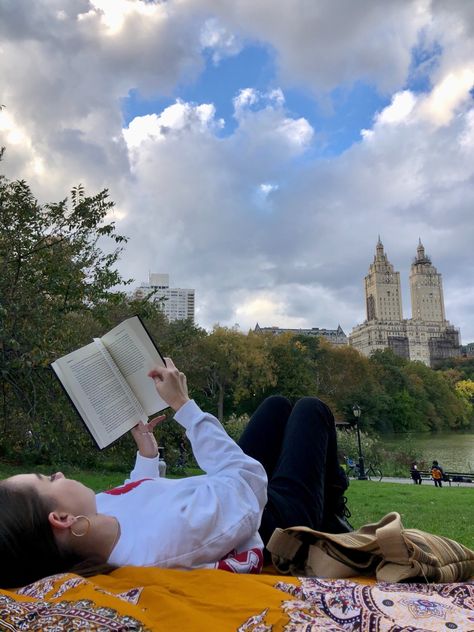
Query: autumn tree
{"x": 345, "y": 377}
{"x": 293, "y": 361}
{"x": 233, "y": 367}
{"x": 465, "y": 391}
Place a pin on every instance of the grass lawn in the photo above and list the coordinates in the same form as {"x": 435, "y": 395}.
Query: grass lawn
{"x": 98, "y": 481}
{"x": 448, "y": 511}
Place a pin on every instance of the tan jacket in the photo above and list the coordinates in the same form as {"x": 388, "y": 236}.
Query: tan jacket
{"x": 385, "y": 548}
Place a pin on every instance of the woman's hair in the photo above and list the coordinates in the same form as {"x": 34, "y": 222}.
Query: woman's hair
{"x": 28, "y": 549}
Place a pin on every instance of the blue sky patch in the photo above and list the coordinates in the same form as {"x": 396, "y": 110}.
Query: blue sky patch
{"x": 337, "y": 121}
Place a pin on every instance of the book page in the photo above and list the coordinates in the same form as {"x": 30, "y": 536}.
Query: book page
{"x": 100, "y": 394}
{"x": 135, "y": 354}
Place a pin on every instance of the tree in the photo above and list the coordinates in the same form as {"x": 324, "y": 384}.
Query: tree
{"x": 465, "y": 366}
{"x": 234, "y": 367}
{"x": 345, "y": 377}
{"x": 435, "y": 403}
{"x": 465, "y": 388}
{"x": 465, "y": 391}
{"x": 54, "y": 273}
{"x": 293, "y": 361}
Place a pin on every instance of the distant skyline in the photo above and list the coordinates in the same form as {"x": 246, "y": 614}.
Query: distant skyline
{"x": 404, "y": 281}
{"x": 255, "y": 150}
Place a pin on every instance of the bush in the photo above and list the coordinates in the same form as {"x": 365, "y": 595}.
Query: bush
{"x": 392, "y": 463}
{"x": 235, "y": 425}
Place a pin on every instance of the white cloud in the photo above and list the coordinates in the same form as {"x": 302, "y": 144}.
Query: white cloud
{"x": 266, "y": 188}
{"x": 400, "y": 108}
{"x": 262, "y": 116}
{"x": 267, "y": 309}
{"x": 324, "y": 44}
{"x": 448, "y": 95}
{"x": 175, "y": 118}
{"x": 220, "y": 40}
{"x": 298, "y": 132}
{"x": 114, "y": 13}
{"x": 245, "y": 98}
{"x": 193, "y": 200}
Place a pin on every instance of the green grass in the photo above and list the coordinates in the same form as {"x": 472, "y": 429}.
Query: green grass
{"x": 448, "y": 511}
{"x": 98, "y": 481}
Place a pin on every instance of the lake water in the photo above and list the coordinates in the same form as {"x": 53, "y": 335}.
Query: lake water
{"x": 454, "y": 451}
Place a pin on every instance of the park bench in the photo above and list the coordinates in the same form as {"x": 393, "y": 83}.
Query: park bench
{"x": 451, "y": 477}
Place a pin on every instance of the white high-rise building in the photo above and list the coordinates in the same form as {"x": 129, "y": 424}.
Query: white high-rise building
{"x": 176, "y": 303}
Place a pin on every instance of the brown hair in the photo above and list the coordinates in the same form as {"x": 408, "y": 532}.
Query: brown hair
{"x": 28, "y": 549}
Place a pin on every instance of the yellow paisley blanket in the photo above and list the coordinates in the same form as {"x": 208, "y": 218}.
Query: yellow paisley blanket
{"x": 211, "y": 600}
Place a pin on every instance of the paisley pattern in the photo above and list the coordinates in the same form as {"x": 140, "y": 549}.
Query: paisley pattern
{"x": 343, "y": 606}
{"x": 39, "y": 612}
{"x": 62, "y": 616}
{"x": 162, "y": 600}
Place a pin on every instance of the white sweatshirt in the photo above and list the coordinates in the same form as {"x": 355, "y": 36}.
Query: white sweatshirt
{"x": 190, "y": 522}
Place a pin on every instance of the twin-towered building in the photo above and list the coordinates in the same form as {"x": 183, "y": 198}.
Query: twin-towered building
{"x": 427, "y": 336}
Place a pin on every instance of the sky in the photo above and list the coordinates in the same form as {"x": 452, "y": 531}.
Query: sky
{"x": 255, "y": 151}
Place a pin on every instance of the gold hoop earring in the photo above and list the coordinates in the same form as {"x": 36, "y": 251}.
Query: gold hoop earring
{"x": 81, "y": 535}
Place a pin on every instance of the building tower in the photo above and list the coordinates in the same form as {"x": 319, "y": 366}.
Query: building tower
{"x": 176, "y": 303}
{"x": 382, "y": 289}
{"x": 426, "y": 288}
{"x": 426, "y": 337}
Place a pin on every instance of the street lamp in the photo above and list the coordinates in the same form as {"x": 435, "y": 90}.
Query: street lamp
{"x": 357, "y": 413}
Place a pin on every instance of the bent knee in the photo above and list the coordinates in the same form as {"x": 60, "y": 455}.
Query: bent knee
{"x": 277, "y": 400}
{"x": 313, "y": 405}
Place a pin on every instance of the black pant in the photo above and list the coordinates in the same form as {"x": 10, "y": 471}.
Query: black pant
{"x": 438, "y": 482}
{"x": 297, "y": 446}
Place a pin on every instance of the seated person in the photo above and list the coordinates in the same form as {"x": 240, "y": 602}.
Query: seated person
{"x": 284, "y": 472}
{"x": 415, "y": 474}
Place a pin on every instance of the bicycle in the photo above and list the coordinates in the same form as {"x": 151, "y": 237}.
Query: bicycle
{"x": 373, "y": 472}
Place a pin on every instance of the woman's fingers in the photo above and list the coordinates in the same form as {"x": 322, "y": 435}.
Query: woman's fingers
{"x": 170, "y": 384}
{"x": 154, "y": 422}
{"x": 157, "y": 373}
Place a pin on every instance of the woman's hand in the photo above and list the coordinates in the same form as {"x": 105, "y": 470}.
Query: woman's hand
{"x": 171, "y": 384}
{"x": 144, "y": 437}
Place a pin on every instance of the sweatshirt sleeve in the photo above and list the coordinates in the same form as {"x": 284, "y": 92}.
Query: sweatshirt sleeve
{"x": 215, "y": 451}
{"x": 242, "y": 480}
{"x": 195, "y": 521}
{"x": 144, "y": 468}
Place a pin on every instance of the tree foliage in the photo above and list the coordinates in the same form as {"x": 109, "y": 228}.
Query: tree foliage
{"x": 463, "y": 366}
{"x": 54, "y": 272}
{"x": 233, "y": 367}
{"x": 57, "y": 292}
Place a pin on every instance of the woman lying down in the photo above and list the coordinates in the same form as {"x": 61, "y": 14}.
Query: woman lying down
{"x": 283, "y": 472}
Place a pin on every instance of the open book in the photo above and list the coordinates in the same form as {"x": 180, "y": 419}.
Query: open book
{"x": 108, "y": 383}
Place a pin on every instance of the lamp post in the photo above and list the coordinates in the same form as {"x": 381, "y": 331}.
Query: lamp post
{"x": 357, "y": 413}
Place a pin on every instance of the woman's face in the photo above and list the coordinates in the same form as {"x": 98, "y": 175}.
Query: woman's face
{"x": 67, "y": 495}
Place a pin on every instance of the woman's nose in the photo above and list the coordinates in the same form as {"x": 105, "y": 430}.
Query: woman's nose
{"x": 58, "y": 475}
